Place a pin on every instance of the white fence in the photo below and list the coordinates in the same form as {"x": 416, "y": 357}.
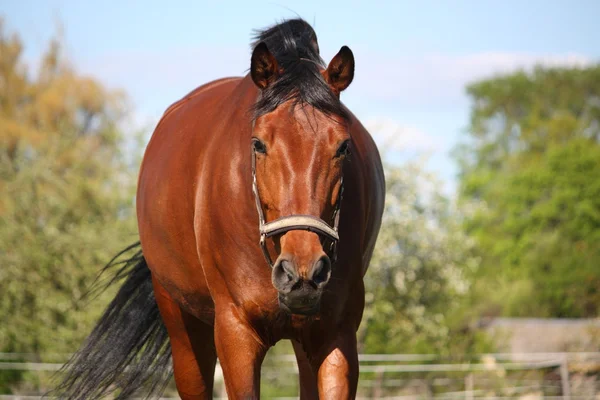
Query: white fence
{"x": 570, "y": 376}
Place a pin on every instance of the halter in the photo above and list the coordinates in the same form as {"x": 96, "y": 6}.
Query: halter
{"x": 296, "y": 222}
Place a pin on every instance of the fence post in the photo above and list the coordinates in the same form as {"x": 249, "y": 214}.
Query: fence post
{"x": 469, "y": 386}
{"x": 564, "y": 378}
{"x": 378, "y": 387}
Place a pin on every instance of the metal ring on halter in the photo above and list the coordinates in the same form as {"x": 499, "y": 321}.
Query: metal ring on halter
{"x": 296, "y": 222}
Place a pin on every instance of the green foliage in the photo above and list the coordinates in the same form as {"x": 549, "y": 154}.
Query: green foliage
{"x": 278, "y": 375}
{"x": 67, "y": 199}
{"x": 417, "y": 284}
{"x": 533, "y": 160}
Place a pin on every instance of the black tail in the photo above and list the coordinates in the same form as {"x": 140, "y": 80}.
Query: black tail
{"x": 129, "y": 348}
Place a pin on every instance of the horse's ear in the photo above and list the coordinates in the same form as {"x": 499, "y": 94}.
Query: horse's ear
{"x": 340, "y": 72}
{"x": 263, "y": 67}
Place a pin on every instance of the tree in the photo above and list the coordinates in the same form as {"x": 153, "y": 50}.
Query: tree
{"x": 67, "y": 184}
{"x": 533, "y": 158}
{"x": 418, "y": 281}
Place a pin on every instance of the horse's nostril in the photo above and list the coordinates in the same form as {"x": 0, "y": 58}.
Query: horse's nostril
{"x": 284, "y": 275}
{"x": 289, "y": 270}
{"x": 321, "y": 271}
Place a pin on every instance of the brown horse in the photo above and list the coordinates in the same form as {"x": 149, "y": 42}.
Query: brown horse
{"x": 246, "y": 238}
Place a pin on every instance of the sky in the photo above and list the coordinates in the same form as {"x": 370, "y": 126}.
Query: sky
{"x": 413, "y": 58}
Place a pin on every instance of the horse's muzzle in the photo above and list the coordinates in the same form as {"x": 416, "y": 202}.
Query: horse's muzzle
{"x": 298, "y": 295}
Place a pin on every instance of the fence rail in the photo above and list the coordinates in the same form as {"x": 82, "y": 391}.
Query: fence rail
{"x": 386, "y": 373}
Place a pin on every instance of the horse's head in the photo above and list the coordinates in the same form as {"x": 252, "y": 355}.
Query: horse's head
{"x": 300, "y": 144}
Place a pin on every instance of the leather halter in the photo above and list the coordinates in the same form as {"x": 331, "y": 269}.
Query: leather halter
{"x": 296, "y": 222}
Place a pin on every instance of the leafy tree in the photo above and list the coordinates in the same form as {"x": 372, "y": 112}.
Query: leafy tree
{"x": 418, "y": 280}
{"x": 67, "y": 185}
{"x": 533, "y": 159}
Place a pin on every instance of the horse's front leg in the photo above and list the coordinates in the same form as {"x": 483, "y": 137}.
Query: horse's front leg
{"x": 338, "y": 368}
{"x": 241, "y": 353}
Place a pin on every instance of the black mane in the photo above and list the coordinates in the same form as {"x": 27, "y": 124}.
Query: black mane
{"x": 294, "y": 45}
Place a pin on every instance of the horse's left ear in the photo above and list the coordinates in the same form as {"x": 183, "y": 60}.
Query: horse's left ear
{"x": 340, "y": 71}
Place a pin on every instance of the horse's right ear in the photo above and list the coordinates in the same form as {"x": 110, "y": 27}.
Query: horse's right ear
{"x": 263, "y": 67}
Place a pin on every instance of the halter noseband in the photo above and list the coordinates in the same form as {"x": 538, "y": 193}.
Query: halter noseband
{"x": 296, "y": 222}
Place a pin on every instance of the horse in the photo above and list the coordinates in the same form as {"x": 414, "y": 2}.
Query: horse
{"x": 259, "y": 202}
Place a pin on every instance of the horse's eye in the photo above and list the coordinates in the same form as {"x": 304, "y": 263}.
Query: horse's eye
{"x": 259, "y": 146}
{"x": 344, "y": 149}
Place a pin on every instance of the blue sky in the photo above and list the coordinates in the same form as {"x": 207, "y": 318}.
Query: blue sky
{"x": 413, "y": 58}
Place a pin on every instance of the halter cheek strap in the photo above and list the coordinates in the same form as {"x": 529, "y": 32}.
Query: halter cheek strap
{"x": 295, "y": 222}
